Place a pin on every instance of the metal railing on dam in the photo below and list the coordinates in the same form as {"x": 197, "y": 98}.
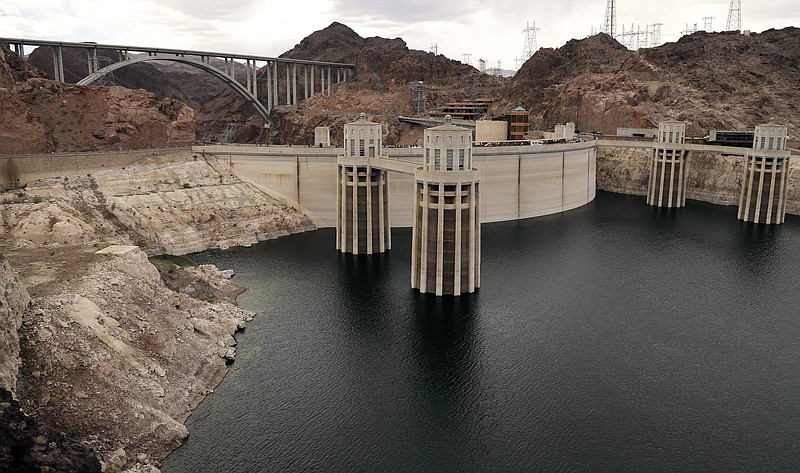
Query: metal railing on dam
{"x": 715, "y": 149}
{"x": 516, "y": 181}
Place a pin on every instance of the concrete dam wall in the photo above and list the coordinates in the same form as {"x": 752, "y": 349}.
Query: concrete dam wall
{"x": 517, "y": 181}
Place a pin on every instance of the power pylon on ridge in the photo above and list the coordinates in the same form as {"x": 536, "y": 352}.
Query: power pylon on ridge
{"x": 655, "y": 35}
{"x": 530, "y": 40}
{"x": 707, "y": 23}
{"x": 466, "y": 58}
{"x": 611, "y": 19}
{"x": 735, "y": 16}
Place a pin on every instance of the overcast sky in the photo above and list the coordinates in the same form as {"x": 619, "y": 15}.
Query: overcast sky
{"x": 269, "y": 27}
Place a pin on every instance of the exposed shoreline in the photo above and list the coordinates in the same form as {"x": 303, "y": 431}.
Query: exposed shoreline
{"x": 109, "y": 351}
{"x": 161, "y": 341}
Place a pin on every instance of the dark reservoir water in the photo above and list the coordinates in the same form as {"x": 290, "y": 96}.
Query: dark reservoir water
{"x": 612, "y": 337}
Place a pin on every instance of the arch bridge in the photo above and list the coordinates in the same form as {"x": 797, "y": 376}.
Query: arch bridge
{"x": 224, "y": 66}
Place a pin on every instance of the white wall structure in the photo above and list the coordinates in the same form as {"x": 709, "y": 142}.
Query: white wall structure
{"x": 766, "y": 177}
{"x": 667, "y": 184}
{"x": 446, "y": 236}
{"x": 516, "y": 181}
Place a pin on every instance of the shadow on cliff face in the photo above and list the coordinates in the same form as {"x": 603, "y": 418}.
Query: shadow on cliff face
{"x": 26, "y": 445}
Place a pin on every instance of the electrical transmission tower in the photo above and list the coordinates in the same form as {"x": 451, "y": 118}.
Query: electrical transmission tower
{"x": 655, "y": 35}
{"x": 530, "y": 40}
{"x": 707, "y": 23}
{"x": 419, "y": 97}
{"x": 611, "y": 19}
{"x": 642, "y": 37}
{"x": 482, "y": 66}
{"x": 435, "y": 48}
{"x": 735, "y": 16}
{"x": 465, "y": 58}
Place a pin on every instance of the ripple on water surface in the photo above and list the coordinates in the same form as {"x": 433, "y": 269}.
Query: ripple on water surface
{"x": 614, "y": 336}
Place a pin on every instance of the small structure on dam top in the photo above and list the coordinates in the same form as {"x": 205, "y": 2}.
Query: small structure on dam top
{"x": 667, "y": 185}
{"x": 446, "y": 223}
{"x": 766, "y": 176}
{"x": 362, "y": 222}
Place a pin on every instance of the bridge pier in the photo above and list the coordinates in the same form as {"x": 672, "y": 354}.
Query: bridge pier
{"x": 288, "y": 87}
{"x": 667, "y": 185}
{"x": 58, "y": 64}
{"x": 91, "y": 60}
{"x": 274, "y": 84}
{"x": 269, "y": 86}
{"x": 328, "y": 68}
{"x": 294, "y": 83}
{"x": 445, "y": 255}
{"x": 362, "y": 223}
{"x": 312, "y": 81}
{"x": 766, "y": 177}
{"x": 305, "y": 81}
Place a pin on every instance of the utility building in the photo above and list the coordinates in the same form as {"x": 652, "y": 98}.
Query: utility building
{"x": 445, "y": 255}
{"x": 766, "y": 176}
{"x": 362, "y": 223}
{"x": 519, "y": 125}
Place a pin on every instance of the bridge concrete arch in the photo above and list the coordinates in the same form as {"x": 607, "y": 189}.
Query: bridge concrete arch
{"x": 228, "y": 80}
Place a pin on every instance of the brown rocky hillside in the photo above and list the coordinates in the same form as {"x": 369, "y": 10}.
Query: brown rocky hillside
{"x": 711, "y": 80}
{"x": 40, "y": 115}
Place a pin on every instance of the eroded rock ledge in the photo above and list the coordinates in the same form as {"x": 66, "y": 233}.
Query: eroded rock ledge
{"x": 711, "y": 178}
{"x": 111, "y": 357}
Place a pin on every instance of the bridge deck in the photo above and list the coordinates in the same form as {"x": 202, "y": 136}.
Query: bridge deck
{"x": 175, "y": 52}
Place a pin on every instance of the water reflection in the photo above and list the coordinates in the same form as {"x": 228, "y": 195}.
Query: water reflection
{"x": 607, "y": 338}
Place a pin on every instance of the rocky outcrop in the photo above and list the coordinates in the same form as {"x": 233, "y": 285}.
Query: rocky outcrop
{"x": 711, "y": 177}
{"x": 711, "y": 80}
{"x": 14, "y": 299}
{"x": 178, "y": 205}
{"x": 13, "y": 69}
{"x": 40, "y": 115}
{"x": 111, "y": 355}
{"x": 115, "y": 358}
{"x": 26, "y": 445}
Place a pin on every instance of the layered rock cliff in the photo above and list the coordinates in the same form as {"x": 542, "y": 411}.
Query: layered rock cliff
{"x": 176, "y": 204}
{"x": 111, "y": 356}
{"x": 710, "y": 177}
{"x": 14, "y": 299}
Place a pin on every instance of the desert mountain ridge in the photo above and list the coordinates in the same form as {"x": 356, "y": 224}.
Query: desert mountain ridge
{"x": 710, "y": 80}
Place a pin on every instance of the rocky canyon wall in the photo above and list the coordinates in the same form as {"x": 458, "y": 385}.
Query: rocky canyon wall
{"x": 711, "y": 178}
{"x": 110, "y": 355}
{"x": 14, "y": 299}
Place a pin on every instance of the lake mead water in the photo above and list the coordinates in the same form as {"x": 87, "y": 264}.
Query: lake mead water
{"x": 611, "y": 337}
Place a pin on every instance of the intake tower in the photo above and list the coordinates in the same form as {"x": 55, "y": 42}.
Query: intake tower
{"x": 766, "y": 176}
{"x": 362, "y": 223}
{"x": 667, "y": 185}
{"x": 445, "y": 255}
